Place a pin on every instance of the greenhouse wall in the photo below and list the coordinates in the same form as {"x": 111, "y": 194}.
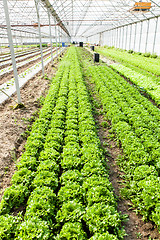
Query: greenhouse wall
{"x": 140, "y": 37}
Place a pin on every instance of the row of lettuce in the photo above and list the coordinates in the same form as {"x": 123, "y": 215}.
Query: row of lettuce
{"x": 147, "y": 64}
{"x": 62, "y": 185}
{"x": 148, "y": 81}
{"x": 146, "y": 84}
{"x": 136, "y": 123}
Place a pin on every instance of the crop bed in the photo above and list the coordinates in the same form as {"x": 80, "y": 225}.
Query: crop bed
{"x": 6, "y": 73}
{"x": 5, "y": 51}
{"x": 147, "y": 64}
{"x": 143, "y": 72}
{"x": 62, "y": 186}
{"x": 24, "y": 55}
{"x": 135, "y": 122}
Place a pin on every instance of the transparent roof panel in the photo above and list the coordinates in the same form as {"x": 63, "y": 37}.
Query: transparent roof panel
{"x": 79, "y": 17}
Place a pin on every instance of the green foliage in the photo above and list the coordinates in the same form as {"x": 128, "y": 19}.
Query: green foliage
{"x": 41, "y": 204}
{"x": 14, "y": 196}
{"x": 71, "y": 176}
{"x": 147, "y": 63}
{"x": 43, "y": 45}
{"x": 101, "y": 218}
{"x": 72, "y": 231}
{"x": 153, "y": 55}
{"x": 71, "y": 191}
{"x": 23, "y": 176}
{"x": 130, "y": 51}
{"x": 46, "y": 178}
{"x": 146, "y": 83}
{"x": 8, "y": 226}
{"x": 70, "y": 211}
{"x": 63, "y": 141}
{"x": 135, "y": 121}
{"x": 104, "y": 236}
{"x": 146, "y": 54}
{"x": 34, "y": 228}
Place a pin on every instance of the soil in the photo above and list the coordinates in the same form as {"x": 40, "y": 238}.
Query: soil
{"x": 135, "y": 227}
{"x": 14, "y": 123}
{"x": 8, "y": 76}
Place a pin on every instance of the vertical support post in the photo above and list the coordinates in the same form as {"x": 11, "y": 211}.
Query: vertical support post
{"x": 16, "y": 41}
{"x": 147, "y": 36}
{"x": 117, "y": 39}
{"x": 25, "y": 41}
{"x": 39, "y": 30}
{"x": 59, "y": 37}
{"x": 140, "y": 37}
{"x": 155, "y": 34}
{"x": 100, "y": 38}
{"x": 122, "y": 37}
{"x": 21, "y": 40}
{"x": 33, "y": 39}
{"x": 12, "y": 50}
{"x": 112, "y": 37}
{"x": 111, "y": 32}
{"x": 126, "y": 37}
{"x": 1, "y": 47}
{"x": 135, "y": 34}
{"x": 50, "y": 34}
{"x": 130, "y": 37}
{"x": 56, "y": 36}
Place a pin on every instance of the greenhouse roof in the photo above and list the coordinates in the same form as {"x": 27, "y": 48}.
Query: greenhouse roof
{"x": 75, "y": 17}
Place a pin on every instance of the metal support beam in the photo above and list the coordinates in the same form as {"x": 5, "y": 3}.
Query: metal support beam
{"x": 39, "y": 30}
{"x": 50, "y": 33}
{"x": 135, "y": 34}
{"x": 120, "y": 38}
{"x": 59, "y": 38}
{"x": 112, "y": 32}
{"x": 130, "y": 37}
{"x": 126, "y": 37}
{"x": 48, "y": 5}
{"x": 56, "y": 37}
{"x": 12, "y": 50}
{"x": 147, "y": 36}
{"x": 140, "y": 37}
{"x": 100, "y": 39}
{"x": 155, "y": 34}
{"x": 128, "y": 24}
{"x": 117, "y": 39}
{"x": 114, "y": 37}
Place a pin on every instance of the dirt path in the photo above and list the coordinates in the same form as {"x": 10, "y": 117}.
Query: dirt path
{"x": 14, "y": 123}
{"x": 135, "y": 227}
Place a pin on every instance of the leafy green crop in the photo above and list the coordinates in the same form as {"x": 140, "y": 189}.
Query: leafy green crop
{"x": 135, "y": 121}
{"x": 62, "y": 182}
{"x": 150, "y": 65}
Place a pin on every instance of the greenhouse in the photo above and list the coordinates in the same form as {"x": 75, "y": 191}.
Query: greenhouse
{"x": 79, "y": 119}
